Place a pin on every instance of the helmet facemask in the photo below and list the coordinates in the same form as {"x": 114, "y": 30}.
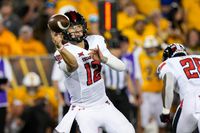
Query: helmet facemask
{"x": 77, "y": 30}
{"x": 75, "y": 33}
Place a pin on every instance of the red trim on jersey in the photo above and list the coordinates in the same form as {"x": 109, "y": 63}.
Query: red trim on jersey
{"x": 161, "y": 66}
{"x": 181, "y": 103}
{"x": 66, "y": 44}
{"x": 96, "y": 62}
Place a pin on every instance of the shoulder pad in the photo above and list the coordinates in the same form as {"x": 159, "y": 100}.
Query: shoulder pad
{"x": 160, "y": 67}
{"x": 95, "y": 38}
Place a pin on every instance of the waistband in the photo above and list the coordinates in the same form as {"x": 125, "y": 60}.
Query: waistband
{"x": 98, "y": 102}
{"x": 118, "y": 91}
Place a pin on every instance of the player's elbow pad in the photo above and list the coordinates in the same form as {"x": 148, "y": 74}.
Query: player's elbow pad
{"x": 115, "y": 63}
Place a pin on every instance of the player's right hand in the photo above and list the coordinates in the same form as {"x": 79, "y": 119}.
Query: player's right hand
{"x": 57, "y": 39}
{"x": 165, "y": 118}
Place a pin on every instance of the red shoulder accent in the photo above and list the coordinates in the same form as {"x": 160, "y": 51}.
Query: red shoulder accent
{"x": 58, "y": 58}
{"x": 161, "y": 66}
{"x": 66, "y": 44}
{"x": 181, "y": 104}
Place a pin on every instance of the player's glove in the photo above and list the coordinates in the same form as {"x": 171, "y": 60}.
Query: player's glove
{"x": 165, "y": 118}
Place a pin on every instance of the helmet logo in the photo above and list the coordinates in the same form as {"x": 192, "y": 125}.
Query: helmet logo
{"x": 73, "y": 15}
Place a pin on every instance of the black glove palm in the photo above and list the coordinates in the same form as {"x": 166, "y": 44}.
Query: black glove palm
{"x": 165, "y": 118}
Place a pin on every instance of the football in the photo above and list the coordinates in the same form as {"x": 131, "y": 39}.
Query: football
{"x": 58, "y": 23}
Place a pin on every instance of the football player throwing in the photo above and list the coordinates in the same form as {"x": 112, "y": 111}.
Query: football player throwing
{"x": 81, "y": 59}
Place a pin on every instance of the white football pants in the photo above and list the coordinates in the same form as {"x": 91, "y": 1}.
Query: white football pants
{"x": 104, "y": 115}
{"x": 187, "y": 117}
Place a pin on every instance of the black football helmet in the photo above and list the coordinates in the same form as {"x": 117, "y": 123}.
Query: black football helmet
{"x": 75, "y": 19}
{"x": 174, "y": 50}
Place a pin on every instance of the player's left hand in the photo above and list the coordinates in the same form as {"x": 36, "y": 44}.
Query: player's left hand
{"x": 165, "y": 118}
{"x": 139, "y": 100}
{"x": 96, "y": 54}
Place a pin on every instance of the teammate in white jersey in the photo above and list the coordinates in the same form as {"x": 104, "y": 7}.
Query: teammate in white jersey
{"x": 181, "y": 73}
{"x": 81, "y": 59}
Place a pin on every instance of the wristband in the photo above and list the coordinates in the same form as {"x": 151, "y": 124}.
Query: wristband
{"x": 104, "y": 60}
{"x": 165, "y": 111}
{"x": 132, "y": 99}
{"x": 61, "y": 48}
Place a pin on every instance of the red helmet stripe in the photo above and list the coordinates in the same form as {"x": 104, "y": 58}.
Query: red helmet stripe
{"x": 73, "y": 15}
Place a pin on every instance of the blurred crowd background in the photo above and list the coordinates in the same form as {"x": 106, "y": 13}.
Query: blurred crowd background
{"x": 33, "y": 99}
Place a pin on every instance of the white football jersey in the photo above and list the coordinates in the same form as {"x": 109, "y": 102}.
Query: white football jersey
{"x": 85, "y": 85}
{"x": 186, "y": 70}
{"x": 58, "y": 75}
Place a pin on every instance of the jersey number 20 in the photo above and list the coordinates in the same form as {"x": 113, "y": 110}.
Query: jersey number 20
{"x": 193, "y": 67}
{"x": 96, "y": 74}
